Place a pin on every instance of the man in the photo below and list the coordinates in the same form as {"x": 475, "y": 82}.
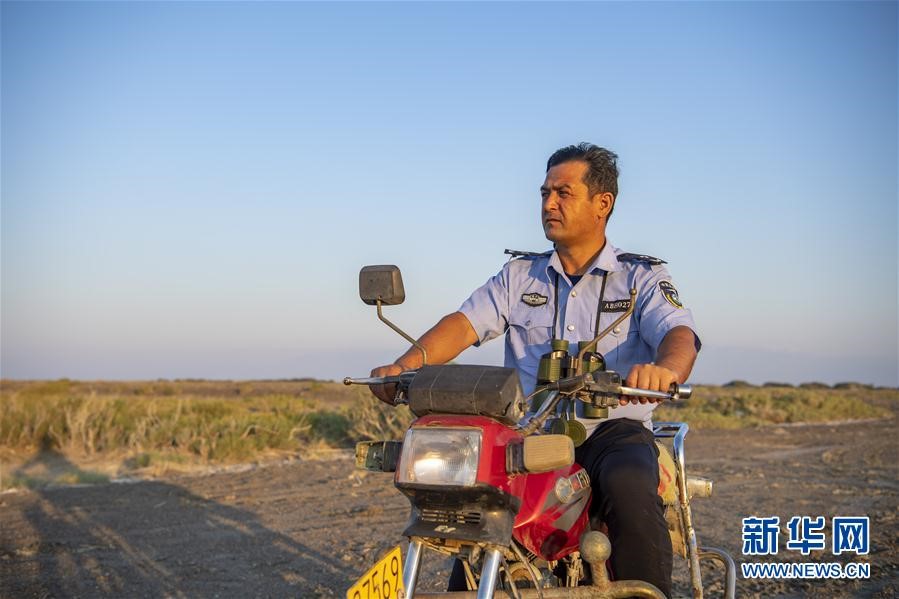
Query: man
{"x": 571, "y": 293}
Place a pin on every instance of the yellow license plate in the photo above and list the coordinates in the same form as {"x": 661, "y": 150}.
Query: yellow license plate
{"x": 383, "y": 581}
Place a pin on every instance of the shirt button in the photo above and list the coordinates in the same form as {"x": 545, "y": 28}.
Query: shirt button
{"x": 616, "y": 330}
{"x": 574, "y": 294}
{"x": 571, "y": 327}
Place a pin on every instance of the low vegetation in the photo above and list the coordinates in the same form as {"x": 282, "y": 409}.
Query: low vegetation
{"x": 165, "y": 425}
{"x": 740, "y": 405}
{"x": 178, "y": 425}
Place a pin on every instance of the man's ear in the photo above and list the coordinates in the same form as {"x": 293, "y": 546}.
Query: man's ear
{"x": 604, "y": 202}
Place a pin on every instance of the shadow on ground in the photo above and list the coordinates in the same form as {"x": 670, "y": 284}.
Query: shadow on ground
{"x": 151, "y": 539}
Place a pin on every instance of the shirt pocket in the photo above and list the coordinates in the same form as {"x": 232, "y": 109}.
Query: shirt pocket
{"x": 622, "y": 330}
{"x": 620, "y": 340}
{"x": 531, "y": 326}
{"x": 626, "y": 348}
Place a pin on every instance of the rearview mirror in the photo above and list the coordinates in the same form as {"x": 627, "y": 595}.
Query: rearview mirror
{"x": 382, "y": 282}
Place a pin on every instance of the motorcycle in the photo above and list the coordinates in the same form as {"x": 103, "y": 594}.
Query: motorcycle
{"x": 495, "y": 484}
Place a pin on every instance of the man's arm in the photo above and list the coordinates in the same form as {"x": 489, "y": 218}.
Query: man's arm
{"x": 674, "y": 362}
{"x": 443, "y": 342}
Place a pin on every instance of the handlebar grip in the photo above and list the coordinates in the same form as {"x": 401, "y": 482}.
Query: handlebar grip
{"x": 674, "y": 393}
{"x": 681, "y": 391}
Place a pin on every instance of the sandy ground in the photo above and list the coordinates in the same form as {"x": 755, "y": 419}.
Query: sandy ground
{"x": 309, "y": 528}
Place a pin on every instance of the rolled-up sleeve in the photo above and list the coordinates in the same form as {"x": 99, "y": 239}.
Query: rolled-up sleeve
{"x": 659, "y": 310}
{"x": 488, "y": 307}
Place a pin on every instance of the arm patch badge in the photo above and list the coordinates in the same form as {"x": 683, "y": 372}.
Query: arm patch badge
{"x": 533, "y": 299}
{"x": 670, "y": 293}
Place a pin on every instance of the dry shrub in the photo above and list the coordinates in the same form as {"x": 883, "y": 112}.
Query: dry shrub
{"x": 75, "y": 418}
{"x": 374, "y": 420}
{"x": 211, "y": 429}
{"x": 739, "y": 407}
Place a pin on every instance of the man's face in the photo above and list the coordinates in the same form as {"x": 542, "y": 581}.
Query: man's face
{"x": 570, "y": 215}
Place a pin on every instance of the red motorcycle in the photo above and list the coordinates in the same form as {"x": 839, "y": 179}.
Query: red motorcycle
{"x": 491, "y": 486}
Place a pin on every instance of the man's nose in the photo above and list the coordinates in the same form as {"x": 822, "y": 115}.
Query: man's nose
{"x": 550, "y": 202}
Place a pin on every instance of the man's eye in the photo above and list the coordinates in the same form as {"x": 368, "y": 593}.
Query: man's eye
{"x": 563, "y": 194}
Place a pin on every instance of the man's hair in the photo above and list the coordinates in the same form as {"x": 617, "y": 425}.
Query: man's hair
{"x": 602, "y": 167}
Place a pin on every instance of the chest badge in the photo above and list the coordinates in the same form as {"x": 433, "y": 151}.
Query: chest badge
{"x": 670, "y": 294}
{"x": 533, "y": 299}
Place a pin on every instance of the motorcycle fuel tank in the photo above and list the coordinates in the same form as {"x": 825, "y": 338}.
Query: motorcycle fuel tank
{"x": 554, "y": 512}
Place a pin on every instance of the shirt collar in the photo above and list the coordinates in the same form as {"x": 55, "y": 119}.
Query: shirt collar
{"x": 607, "y": 261}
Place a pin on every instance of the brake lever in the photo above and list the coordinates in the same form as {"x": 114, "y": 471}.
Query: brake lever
{"x": 404, "y": 378}
{"x": 372, "y": 380}
{"x": 401, "y": 380}
{"x": 400, "y": 398}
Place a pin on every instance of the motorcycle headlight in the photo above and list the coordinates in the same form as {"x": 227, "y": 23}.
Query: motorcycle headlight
{"x": 440, "y": 456}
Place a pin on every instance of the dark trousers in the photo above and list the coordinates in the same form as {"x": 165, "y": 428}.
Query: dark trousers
{"x": 622, "y": 461}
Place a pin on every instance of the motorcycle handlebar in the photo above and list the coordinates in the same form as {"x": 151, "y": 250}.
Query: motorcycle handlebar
{"x": 675, "y": 393}
{"x": 372, "y": 380}
{"x": 402, "y": 382}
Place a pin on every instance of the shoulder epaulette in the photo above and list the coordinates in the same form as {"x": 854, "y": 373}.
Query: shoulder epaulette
{"x": 528, "y": 255}
{"x": 640, "y": 258}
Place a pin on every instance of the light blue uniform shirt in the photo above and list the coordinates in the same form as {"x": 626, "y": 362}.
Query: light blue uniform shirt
{"x": 520, "y": 301}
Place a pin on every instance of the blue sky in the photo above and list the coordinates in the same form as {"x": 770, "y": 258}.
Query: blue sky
{"x": 190, "y": 189}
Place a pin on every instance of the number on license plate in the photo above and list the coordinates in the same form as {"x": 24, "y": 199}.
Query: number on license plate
{"x": 383, "y": 581}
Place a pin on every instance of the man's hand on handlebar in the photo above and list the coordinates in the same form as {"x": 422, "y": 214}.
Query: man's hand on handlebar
{"x": 650, "y": 377}
{"x": 386, "y": 393}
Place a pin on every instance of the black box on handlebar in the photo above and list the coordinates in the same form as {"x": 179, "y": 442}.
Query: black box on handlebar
{"x": 467, "y": 389}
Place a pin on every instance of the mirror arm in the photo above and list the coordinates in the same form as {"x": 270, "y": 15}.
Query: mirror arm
{"x": 608, "y": 329}
{"x": 424, "y": 353}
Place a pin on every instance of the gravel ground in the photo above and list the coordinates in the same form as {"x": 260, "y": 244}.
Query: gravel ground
{"x": 310, "y": 528}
